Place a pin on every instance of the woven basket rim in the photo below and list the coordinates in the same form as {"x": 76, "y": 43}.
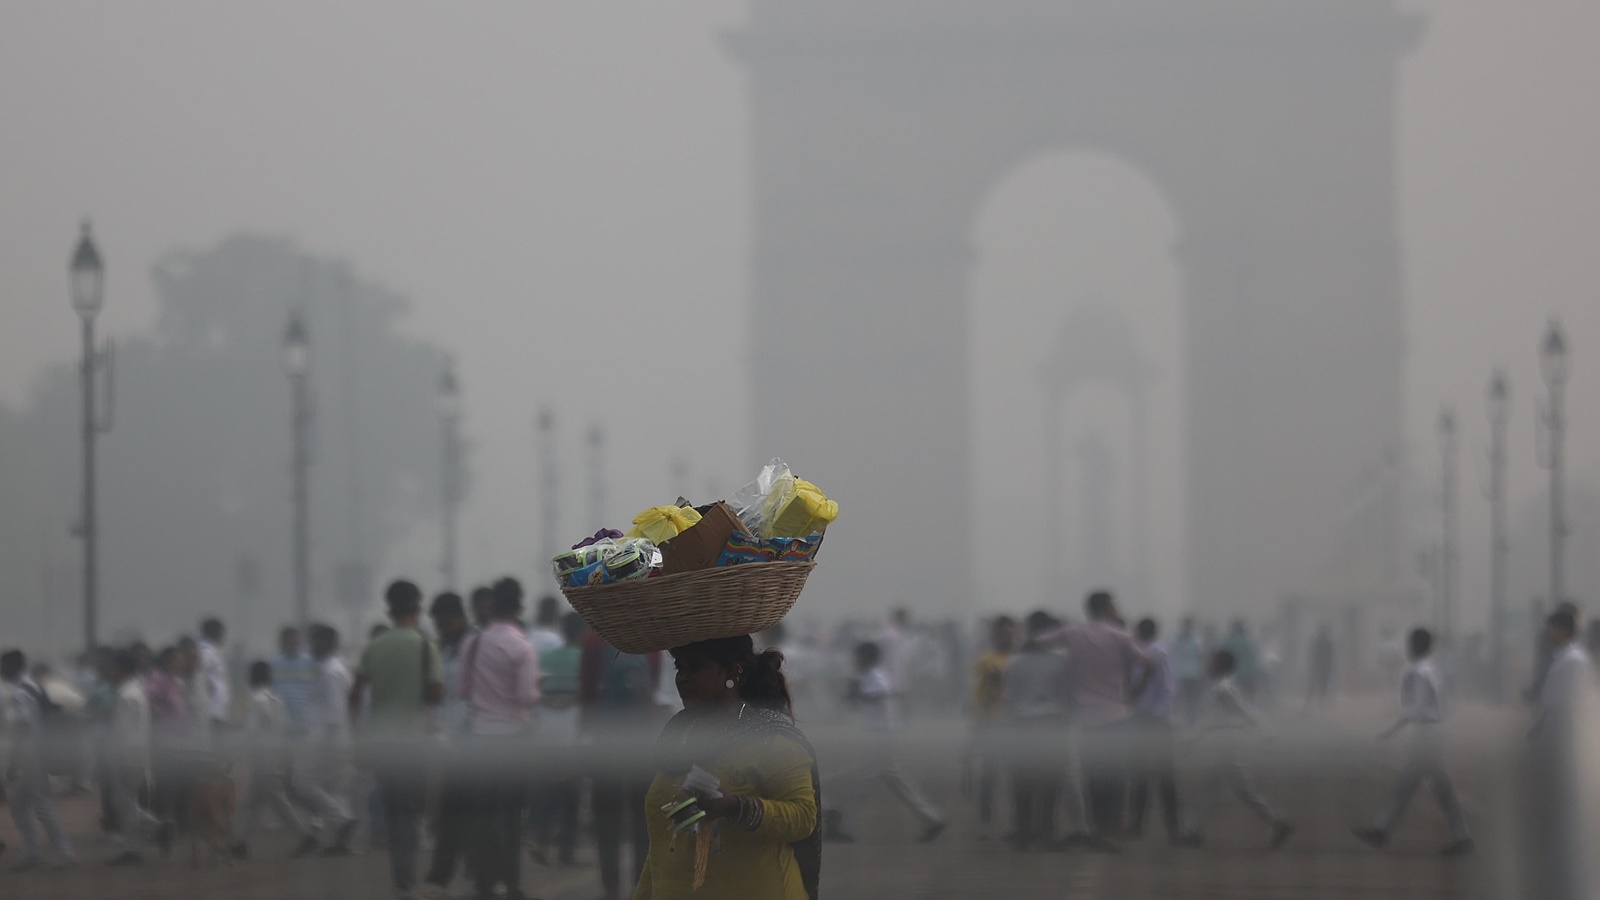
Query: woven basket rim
{"x": 664, "y": 582}
{"x": 646, "y": 615}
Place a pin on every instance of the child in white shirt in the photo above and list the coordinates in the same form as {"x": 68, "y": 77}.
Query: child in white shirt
{"x": 1224, "y": 719}
{"x": 320, "y": 775}
{"x": 266, "y": 728}
{"x": 872, "y": 694}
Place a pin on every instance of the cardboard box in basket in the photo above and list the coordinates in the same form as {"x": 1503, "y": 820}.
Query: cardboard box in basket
{"x": 699, "y": 546}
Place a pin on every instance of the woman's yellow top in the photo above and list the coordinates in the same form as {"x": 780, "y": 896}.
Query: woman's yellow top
{"x": 744, "y": 864}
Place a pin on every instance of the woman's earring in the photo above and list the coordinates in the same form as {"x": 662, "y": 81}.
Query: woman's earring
{"x": 728, "y": 683}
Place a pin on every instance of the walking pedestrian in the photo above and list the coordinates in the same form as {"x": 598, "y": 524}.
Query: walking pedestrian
{"x": 266, "y": 731}
{"x": 500, "y": 684}
{"x": 553, "y": 814}
{"x": 1101, "y": 656}
{"x": 322, "y": 776}
{"x": 453, "y": 823}
{"x": 1225, "y": 717}
{"x": 987, "y": 711}
{"x": 214, "y": 669}
{"x": 872, "y": 694}
{"x": 1035, "y": 694}
{"x": 1558, "y": 836}
{"x": 127, "y": 752}
{"x": 1422, "y": 711}
{"x": 1153, "y": 713}
{"x": 172, "y": 727}
{"x": 25, "y": 709}
{"x": 1188, "y": 667}
{"x": 1545, "y": 652}
{"x": 406, "y": 679}
{"x": 616, "y": 693}
{"x": 1246, "y": 658}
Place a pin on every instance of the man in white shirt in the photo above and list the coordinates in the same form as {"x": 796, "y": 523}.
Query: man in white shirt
{"x": 1422, "y": 710}
{"x": 127, "y": 752}
{"x": 24, "y": 712}
{"x": 214, "y": 671}
{"x": 1559, "y": 837}
{"x": 872, "y": 694}
{"x": 266, "y": 727}
{"x": 323, "y": 783}
{"x": 1568, "y": 681}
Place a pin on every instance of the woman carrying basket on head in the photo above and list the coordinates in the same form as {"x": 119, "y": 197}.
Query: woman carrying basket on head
{"x": 755, "y": 833}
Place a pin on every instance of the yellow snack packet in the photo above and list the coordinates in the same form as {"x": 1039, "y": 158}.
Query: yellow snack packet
{"x": 660, "y": 524}
{"x": 808, "y": 512}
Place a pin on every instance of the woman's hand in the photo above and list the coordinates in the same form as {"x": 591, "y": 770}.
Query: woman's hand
{"x": 725, "y": 807}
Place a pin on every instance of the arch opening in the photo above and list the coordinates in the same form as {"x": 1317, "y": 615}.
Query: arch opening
{"x": 1076, "y": 341}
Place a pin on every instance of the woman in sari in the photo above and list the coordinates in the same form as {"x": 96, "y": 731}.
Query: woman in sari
{"x": 760, "y": 837}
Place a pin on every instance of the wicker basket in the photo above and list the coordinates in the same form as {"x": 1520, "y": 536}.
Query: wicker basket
{"x": 673, "y": 610}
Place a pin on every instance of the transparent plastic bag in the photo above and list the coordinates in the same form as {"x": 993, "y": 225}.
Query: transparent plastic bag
{"x": 779, "y": 504}
{"x": 759, "y": 502}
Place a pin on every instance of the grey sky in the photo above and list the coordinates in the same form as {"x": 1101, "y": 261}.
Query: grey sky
{"x": 562, "y": 191}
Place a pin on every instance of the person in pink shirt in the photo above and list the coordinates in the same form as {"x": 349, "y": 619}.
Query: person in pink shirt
{"x": 1101, "y": 657}
{"x": 500, "y": 684}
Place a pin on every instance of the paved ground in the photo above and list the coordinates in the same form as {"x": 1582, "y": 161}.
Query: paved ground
{"x": 1326, "y": 777}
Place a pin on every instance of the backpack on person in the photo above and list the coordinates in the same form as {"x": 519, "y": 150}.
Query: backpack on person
{"x": 59, "y": 733}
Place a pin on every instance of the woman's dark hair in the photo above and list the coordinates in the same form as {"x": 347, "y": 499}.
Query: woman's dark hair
{"x": 763, "y": 683}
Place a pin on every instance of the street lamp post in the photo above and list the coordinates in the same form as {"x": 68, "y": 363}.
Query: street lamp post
{"x": 449, "y": 401}
{"x": 1553, "y": 366}
{"x": 1498, "y": 404}
{"x": 297, "y": 363}
{"x": 88, "y": 296}
{"x": 1449, "y": 451}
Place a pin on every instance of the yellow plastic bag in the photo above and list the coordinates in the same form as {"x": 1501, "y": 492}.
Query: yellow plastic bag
{"x": 660, "y": 524}
{"x": 808, "y": 512}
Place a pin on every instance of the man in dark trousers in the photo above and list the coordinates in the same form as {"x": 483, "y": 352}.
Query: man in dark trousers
{"x": 500, "y": 684}
{"x": 454, "y": 825}
{"x": 616, "y": 694}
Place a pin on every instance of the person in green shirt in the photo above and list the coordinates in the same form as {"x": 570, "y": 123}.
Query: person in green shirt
{"x": 402, "y": 670}
{"x": 553, "y": 817}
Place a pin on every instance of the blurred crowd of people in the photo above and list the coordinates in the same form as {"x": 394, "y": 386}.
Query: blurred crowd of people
{"x": 480, "y": 738}
{"x": 426, "y": 739}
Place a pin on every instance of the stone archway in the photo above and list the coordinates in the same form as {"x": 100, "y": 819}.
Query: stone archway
{"x": 880, "y": 125}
